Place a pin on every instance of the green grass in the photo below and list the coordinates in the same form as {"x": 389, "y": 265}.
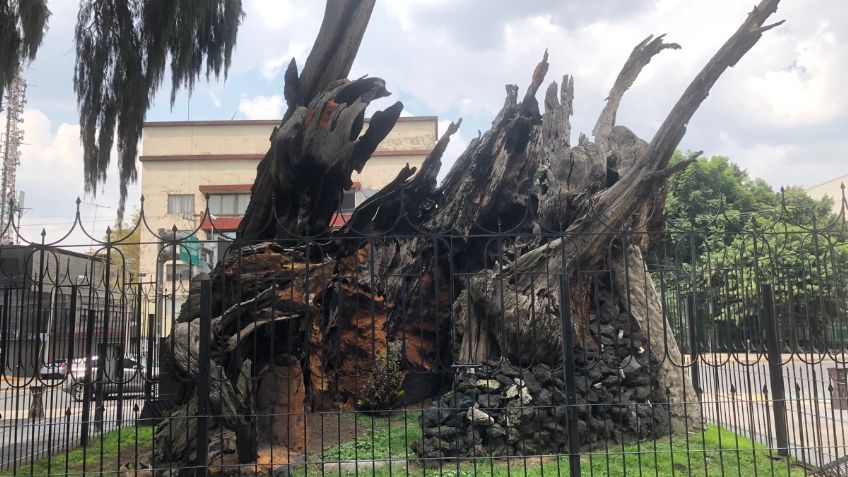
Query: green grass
{"x": 714, "y": 452}
{"x": 387, "y": 437}
{"x": 101, "y": 456}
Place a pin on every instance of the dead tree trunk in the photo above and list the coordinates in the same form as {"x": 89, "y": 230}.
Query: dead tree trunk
{"x": 385, "y": 281}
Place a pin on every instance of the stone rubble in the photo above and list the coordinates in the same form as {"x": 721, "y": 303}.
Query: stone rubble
{"x": 502, "y": 408}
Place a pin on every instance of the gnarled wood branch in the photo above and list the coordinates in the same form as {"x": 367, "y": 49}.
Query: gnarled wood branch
{"x": 338, "y": 309}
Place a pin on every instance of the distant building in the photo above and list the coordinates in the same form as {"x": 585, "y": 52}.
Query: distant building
{"x": 183, "y": 161}
{"x": 832, "y": 189}
{"x": 53, "y": 305}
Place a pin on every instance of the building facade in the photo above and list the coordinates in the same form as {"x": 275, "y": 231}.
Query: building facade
{"x": 185, "y": 162}
{"x": 56, "y": 304}
{"x": 832, "y": 189}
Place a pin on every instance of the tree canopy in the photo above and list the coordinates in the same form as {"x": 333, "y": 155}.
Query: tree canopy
{"x": 122, "y": 50}
{"x": 730, "y": 233}
{"x": 22, "y": 27}
{"x": 127, "y": 239}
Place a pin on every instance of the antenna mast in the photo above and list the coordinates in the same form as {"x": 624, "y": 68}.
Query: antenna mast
{"x": 11, "y": 142}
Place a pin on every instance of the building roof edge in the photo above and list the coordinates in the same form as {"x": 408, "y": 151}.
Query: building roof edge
{"x": 255, "y": 122}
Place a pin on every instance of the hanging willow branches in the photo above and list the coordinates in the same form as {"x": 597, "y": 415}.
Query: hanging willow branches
{"x": 22, "y": 27}
{"x": 122, "y": 49}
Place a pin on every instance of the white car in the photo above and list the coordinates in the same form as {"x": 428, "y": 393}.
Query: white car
{"x": 131, "y": 382}
{"x": 54, "y": 370}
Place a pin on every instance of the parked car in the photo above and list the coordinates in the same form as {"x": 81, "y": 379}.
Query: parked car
{"x": 131, "y": 382}
{"x": 54, "y": 370}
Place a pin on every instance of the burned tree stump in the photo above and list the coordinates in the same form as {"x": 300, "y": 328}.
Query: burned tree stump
{"x": 416, "y": 271}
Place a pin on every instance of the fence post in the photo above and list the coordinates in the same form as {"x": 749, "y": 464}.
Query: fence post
{"x": 99, "y": 410}
{"x": 86, "y": 380}
{"x": 778, "y": 393}
{"x": 570, "y": 381}
{"x": 694, "y": 343}
{"x": 72, "y": 328}
{"x": 151, "y": 354}
{"x": 203, "y": 378}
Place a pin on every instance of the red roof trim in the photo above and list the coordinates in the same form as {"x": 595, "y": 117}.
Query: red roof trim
{"x": 401, "y": 152}
{"x": 221, "y": 224}
{"x": 229, "y": 223}
{"x": 212, "y": 188}
{"x": 339, "y": 220}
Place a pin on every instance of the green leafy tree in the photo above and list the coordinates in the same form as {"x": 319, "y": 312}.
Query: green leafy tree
{"x": 730, "y": 234}
{"x": 710, "y": 189}
{"x": 126, "y": 236}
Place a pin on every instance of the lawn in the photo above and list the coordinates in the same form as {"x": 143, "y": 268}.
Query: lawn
{"x": 388, "y": 438}
{"x": 712, "y": 452}
{"x": 104, "y": 455}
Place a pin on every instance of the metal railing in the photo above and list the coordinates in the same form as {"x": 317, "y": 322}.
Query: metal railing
{"x": 725, "y": 353}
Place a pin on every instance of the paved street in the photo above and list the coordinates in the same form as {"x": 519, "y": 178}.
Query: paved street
{"x": 22, "y": 439}
{"x": 736, "y": 396}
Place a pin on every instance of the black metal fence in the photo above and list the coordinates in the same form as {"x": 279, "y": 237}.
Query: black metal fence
{"x": 720, "y": 352}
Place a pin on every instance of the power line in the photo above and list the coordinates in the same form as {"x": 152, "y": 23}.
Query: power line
{"x": 66, "y": 223}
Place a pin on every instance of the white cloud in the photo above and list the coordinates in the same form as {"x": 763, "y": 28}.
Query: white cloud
{"x": 405, "y": 10}
{"x": 782, "y": 108}
{"x": 278, "y": 14}
{"x": 806, "y": 91}
{"x": 51, "y": 174}
{"x": 457, "y": 145}
{"x": 768, "y": 161}
{"x": 784, "y": 163}
{"x": 272, "y": 32}
{"x": 262, "y": 107}
{"x": 273, "y": 67}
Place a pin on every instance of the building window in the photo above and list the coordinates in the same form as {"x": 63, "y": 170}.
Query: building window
{"x": 228, "y": 204}
{"x": 228, "y": 235}
{"x": 348, "y": 201}
{"x": 181, "y": 204}
{"x": 178, "y": 271}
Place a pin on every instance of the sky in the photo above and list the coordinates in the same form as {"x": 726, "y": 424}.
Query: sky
{"x": 780, "y": 113}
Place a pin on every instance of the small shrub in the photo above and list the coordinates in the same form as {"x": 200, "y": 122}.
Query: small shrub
{"x": 383, "y": 390}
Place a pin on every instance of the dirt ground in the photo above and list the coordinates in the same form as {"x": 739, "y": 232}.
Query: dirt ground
{"x": 325, "y": 429}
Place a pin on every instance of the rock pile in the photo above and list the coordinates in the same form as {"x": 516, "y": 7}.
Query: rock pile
{"x": 501, "y": 409}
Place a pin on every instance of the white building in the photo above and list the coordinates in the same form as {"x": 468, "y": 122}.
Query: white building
{"x": 184, "y": 161}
